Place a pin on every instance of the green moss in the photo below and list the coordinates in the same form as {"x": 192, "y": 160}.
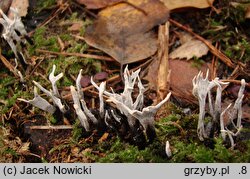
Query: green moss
{"x": 10, "y": 101}
{"x": 203, "y": 155}
{"x": 77, "y": 131}
{"x": 59, "y": 148}
{"x": 86, "y": 23}
{"x": 42, "y": 40}
{"x": 164, "y": 126}
{"x": 74, "y": 16}
{"x": 44, "y": 4}
{"x": 222, "y": 154}
{"x": 123, "y": 152}
{"x": 11, "y": 152}
{"x": 65, "y": 37}
{"x": 4, "y": 86}
{"x": 52, "y": 120}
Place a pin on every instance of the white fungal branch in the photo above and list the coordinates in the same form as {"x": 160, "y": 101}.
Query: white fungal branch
{"x": 80, "y": 97}
{"x": 136, "y": 114}
{"x": 118, "y": 119}
{"x": 82, "y": 117}
{"x": 133, "y": 110}
{"x": 202, "y": 89}
{"x": 232, "y": 113}
{"x": 57, "y": 101}
{"x": 238, "y": 103}
{"x": 102, "y": 89}
{"x": 53, "y": 79}
{"x": 168, "y": 149}
{"x": 140, "y": 98}
{"x": 40, "y": 103}
{"x": 10, "y": 29}
{"x": 146, "y": 116}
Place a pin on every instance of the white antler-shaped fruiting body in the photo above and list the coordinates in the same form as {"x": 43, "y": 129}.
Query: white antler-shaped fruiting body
{"x": 40, "y": 103}
{"x": 202, "y": 89}
{"x": 10, "y": 29}
{"x": 134, "y": 110}
{"x": 168, "y": 149}
{"x": 53, "y": 79}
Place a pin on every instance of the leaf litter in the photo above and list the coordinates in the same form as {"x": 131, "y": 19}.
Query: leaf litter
{"x": 126, "y": 39}
{"x": 124, "y": 32}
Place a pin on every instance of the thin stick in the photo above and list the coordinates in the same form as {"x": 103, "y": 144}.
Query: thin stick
{"x": 113, "y": 78}
{"x": 214, "y": 64}
{"x": 238, "y": 82}
{"x": 50, "y": 18}
{"x": 163, "y": 70}
{"x": 7, "y": 64}
{"x": 213, "y": 50}
{"x": 97, "y": 57}
{"x": 52, "y": 127}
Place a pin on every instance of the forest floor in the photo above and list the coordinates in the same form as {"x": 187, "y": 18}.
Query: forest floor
{"x": 57, "y": 31}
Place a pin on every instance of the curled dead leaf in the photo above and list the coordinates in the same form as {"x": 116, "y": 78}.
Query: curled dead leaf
{"x": 5, "y": 5}
{"x": 97, "y": 4}
{"x": 176, "y": 4}
{"x": 180, "y": 80}
{"x": 123, "y": 31}
{"x": 182, "y": 74}
{"x": 190, "y": 49}
{"x": 21, "y": 6}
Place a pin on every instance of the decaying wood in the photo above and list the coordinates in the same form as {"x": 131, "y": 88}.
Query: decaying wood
{"x": 163, "y": 72}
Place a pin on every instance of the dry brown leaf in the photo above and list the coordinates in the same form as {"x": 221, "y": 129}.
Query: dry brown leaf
{"x": 97, "y": 4}
{"x": 21, "y": 6}
{"x": 5, "y": 5}
{"x": 170, "y": 4}
{"x": 190, "y": 47}
{"x": 182, "y": 73}
{"x": 176, "y": 4}
{"x": 180, "y": 80}
{"x": 103, "y": 138}
{"x": 212, "y": 48}
{"x": 151, "y": 77}
{"x": 193, "y": 48}
{"x": 247, "y": 15}
{"x": 123, "y": 31}
{"x": 76, "y": 26}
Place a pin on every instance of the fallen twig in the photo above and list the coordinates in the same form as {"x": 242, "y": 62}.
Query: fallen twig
{"x": 61, "y": 127}
{"x": 163, "y": 70}
{"x": 213, "y": 50}
{"x": 8, "y": 64}
{"x": 97, "y": 57}
{"x": 238, "y": 82}
{"x": 61, "y": 8}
